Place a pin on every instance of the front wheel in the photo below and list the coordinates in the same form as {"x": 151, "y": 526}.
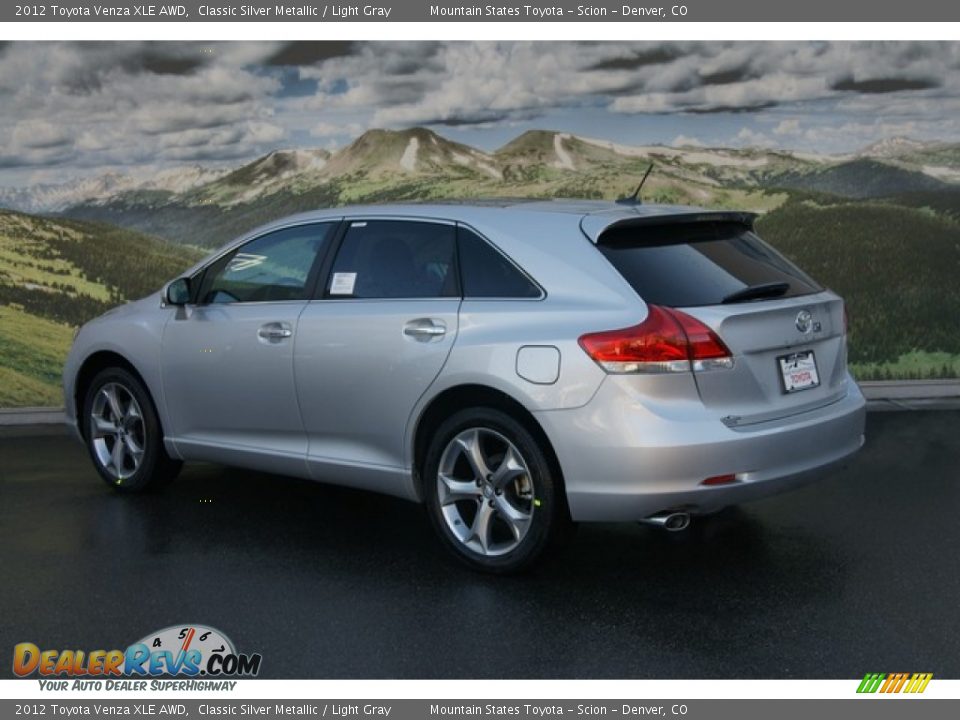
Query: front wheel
{"x": 123, "y": 434}
{"x": 491, "y": 492}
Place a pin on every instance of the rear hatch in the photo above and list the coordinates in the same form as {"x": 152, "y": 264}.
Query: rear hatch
{"x": 786, "y": 333}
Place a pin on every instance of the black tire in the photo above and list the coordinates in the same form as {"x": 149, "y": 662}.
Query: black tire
{"x": 154, "y": 468}
{"x": 544, "y": 497}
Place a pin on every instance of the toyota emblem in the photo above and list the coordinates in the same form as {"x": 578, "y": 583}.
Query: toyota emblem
{"x": 804, "y": 321}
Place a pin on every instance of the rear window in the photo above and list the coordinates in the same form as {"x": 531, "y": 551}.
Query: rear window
{"x": 693, "y": 264}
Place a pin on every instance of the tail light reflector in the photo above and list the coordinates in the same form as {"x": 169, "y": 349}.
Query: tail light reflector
{"x": 720, "y": 479}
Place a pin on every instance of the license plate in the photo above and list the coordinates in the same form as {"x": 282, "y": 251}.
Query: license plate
{"x": 799, "y": 371}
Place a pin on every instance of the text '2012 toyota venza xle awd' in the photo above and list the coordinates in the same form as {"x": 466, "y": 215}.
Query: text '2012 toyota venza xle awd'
{"x": 516, "y": 366}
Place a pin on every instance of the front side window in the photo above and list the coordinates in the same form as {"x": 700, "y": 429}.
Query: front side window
{"x": 395, "y": 259}
{"x": 274, "y": 267}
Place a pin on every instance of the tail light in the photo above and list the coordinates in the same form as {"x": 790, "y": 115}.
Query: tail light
{"x": 668, "y": 341}
{"x": 720, "y": 480}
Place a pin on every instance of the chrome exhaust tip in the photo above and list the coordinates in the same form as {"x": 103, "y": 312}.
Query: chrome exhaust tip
{"x": 669, "y": 521}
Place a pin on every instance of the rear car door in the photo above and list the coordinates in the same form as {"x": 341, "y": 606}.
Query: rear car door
{"x": 371, "y": 344}
{"x": 227, "y": 358}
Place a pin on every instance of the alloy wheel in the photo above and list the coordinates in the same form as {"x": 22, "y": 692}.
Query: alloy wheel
{"x": 486, "y": 492}
{"x": 117, "y": 431}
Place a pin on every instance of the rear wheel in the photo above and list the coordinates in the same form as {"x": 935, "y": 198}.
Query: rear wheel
{"x": 491, "y": 492}
{"x": 123, "y": 434}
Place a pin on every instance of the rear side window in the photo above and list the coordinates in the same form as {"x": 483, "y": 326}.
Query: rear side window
{"x": 488, "y": 274}
{"x": 395, "y": 259}
{"x": 694, "y": 264}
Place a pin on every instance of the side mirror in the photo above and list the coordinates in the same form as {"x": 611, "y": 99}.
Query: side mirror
{"x": 178, "y": 292}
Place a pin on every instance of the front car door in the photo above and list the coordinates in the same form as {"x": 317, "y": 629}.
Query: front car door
{"x": 227, "y": 360}
{"x": 371, "y": 344}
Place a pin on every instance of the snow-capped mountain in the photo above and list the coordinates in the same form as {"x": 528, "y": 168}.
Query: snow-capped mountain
{"x": 55, "y": 197}
{"x": 895, "y": 147}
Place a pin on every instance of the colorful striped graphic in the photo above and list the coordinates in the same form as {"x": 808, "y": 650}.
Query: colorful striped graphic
{"x": 894, "y": 682}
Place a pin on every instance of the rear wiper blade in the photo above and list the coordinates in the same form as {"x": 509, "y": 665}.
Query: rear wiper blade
{"x": 757, "y": 292}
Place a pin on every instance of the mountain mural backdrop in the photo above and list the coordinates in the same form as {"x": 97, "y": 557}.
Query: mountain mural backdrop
{"x": 881, "y": 226}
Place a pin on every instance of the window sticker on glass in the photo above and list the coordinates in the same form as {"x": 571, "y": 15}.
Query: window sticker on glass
{"x": 343, "y": 283}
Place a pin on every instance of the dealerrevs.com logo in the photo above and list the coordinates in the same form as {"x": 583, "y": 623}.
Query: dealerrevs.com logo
{"x": 180, "y": 650}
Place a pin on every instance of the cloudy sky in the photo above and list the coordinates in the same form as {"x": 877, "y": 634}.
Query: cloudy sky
{"x": 71, "y": 109}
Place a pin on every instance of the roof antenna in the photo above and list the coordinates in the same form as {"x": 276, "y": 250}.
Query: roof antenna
{"x": 635, "y": 198}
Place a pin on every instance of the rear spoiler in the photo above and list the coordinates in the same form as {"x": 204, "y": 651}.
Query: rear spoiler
{"x": 593, "y": 226}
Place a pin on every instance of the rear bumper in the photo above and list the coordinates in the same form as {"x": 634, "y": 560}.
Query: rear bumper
{"x": 624, "y": 459}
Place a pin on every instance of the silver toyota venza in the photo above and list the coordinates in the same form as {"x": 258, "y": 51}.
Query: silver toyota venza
{"x": 516, "y": 366}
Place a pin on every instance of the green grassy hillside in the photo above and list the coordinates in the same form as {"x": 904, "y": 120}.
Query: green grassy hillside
{"x": 859, "y": 179}
{"x": 56, "y": 275}
{"x": 897, "y": 267}
{"x": 32, "y": 351}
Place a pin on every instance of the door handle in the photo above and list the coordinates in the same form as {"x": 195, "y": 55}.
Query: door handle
{"x": 275, "y": 331}
{"x": 425, "y": 329}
